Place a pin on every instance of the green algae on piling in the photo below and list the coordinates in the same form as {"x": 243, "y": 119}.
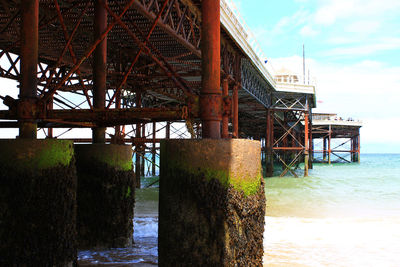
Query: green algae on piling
{"x": 219, "y": 162}
{"x": 24, "y": 154}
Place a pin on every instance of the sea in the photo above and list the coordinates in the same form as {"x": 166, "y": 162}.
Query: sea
{"x": 343, "y": 214}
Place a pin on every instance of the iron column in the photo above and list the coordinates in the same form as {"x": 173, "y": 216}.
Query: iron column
{"x": 358, "y": 146}
{"x": 153, "y": 151}
{"x": 269, "y": 140}
{"x": 235, "y": 107}
{"x": 138, "y": 145}
{"x": 99, "y": 67}
{"x": 311, "y": 143}
{"x": 329, "y": 144}
{"x": 225, "y": 117}
{"x": 29, "y": 62}
{"x": 210, "y": 95}
{"x": 306, "y": 145}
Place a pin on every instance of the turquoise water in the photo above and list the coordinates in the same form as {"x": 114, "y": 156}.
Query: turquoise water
{"x": 342, "y": 215}
{"x": 371, "y": 188}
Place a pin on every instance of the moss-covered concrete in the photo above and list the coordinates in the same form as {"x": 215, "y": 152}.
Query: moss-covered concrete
{"x": 37, "y": 203}
{"x": 106, "y": 196}
{"x": 212, "y": 203}
{"x": 233, "y": 162}
{"x": 118, "y": 157}
{"x": 25, "y": 154}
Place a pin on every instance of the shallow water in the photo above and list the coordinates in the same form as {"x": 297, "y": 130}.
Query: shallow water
{"x": 342, "y": 215}
{"x": 145, "y": 225}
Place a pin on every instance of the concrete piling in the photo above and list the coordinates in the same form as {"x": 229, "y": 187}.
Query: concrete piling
{"x": 37, "y": 203}
{"x": 106, "y": 195}
{"x": 212, "y": 203}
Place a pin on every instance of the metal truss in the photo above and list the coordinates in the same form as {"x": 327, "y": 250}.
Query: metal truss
{"x": 289, "y": 101}
{"x": 181, "y": 20}
{"x": 254, "y": 84}
{"x": 66, "y": 67}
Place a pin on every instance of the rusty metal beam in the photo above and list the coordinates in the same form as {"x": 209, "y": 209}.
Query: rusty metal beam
{"x": 29, "y": 61}
{"x": 99, "y": 66}
{"x": 306, "y": 144}
{"x": 168, "y": 28}
{"x": 113, "y": 117}
{"x": 225, "y": 116}
{"x": 210, "y": 96}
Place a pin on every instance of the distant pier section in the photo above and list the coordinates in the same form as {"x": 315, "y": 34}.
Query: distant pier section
{"x": 329, "y": 126}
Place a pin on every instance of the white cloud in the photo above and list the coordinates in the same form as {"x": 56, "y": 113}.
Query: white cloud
{"x": 367, "y": 90}
{"x": 297, "y": 19}
{"x": 383, "y": 130}
{"x": 331, "y": 11}
{"x": 384, "y": 44}
{"x": 364, "y": 26}
{"x": 328, "y": 14}
{"x": 308, "y": 31}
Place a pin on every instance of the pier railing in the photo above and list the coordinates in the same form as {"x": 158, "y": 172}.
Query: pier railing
{"x": 238, "y": 29}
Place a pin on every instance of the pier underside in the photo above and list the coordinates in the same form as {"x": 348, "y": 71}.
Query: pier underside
{"x": 123, "y": 78}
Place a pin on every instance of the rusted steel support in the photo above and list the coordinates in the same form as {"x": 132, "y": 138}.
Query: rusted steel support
{"x": 269, "y": 140}
{"x": 225, "y": 116}
{"x": 88, "y": 53}
{"x": 29, "y": 61}
{"x": 311, "y": 143}
{"x": 118, "y": 134}
{"x": 50, "y": 107}
{"x": 329, "y": 144}
{"x": 153, "y": 26}
{"x": 68, "y": 46}
{"x": 168, "y": 130}
{"x": 170, "y": 28}
{"x": 153, "y": 151}
{"x": 235, "y": 112}
{"x": 143, "y": 153}
{"x": 358, "y": 146}
{"x": 210, "y": 94}
{"x": 306, "y": 144}
{"x": 160, "y": 61}
{"x": 99, "y": 67}
{"x": 138, "y": 146}
{"x": 289, "y": 148}
{"x": 101, "y": 118}
{"x": 324, "y": 148}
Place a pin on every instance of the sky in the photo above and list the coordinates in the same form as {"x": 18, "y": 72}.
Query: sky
{"x": 352, "y": 49}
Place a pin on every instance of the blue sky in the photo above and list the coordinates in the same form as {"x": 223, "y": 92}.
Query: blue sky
{"x": 352, "y": 49}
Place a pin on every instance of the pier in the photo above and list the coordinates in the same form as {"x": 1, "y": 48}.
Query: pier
{"x": 326, "y": 128}
{"x": 95, "y": 83}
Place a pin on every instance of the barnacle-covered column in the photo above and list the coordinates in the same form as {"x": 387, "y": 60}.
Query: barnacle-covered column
{"x": 106, "y": 195}
{"x": 37, "y": 203}
{"x": 212, "y": 203}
